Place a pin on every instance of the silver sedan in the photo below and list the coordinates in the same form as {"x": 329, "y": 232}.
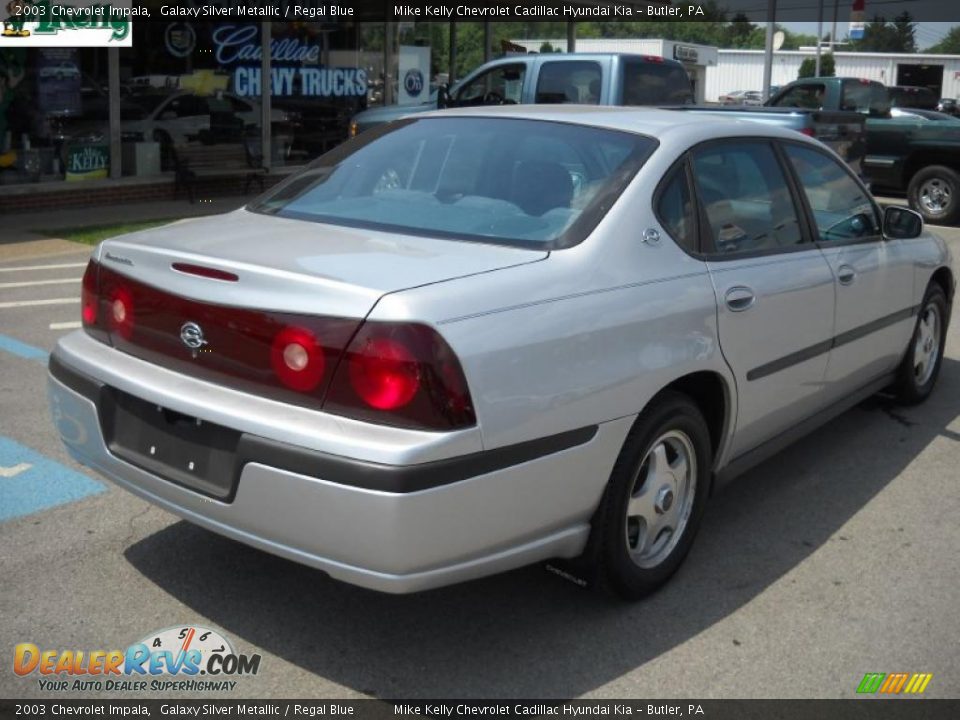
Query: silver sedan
{"x": 478, "y": 339}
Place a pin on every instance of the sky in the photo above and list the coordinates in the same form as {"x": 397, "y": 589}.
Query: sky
{"x": 934, "y": 18}
{"x": 927, "y": 33}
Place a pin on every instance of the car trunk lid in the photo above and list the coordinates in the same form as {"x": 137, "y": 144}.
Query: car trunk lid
{"x": 299, "y": 266}
{"x": 260, "y": 303}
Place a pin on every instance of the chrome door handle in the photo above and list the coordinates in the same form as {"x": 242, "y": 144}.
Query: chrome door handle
{"x": 846, "y": 275}
{"x": 740, "y": 298}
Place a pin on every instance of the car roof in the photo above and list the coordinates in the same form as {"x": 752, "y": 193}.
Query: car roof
{"x": 530, "y": 57}
{"x": 653, "y": 122}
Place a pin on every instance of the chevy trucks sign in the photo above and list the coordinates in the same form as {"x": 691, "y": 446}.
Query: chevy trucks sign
{"x": 296, "y": 66}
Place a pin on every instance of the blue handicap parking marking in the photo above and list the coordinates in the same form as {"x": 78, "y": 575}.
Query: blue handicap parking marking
{"x": 27, "y": 352}
{"x": 30, "y": 482}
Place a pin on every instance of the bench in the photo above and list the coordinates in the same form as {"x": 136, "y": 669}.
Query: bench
{"x": 193, "y": 161}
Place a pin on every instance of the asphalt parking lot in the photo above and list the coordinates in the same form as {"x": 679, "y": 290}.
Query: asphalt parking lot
{"x": 838, "y": 557}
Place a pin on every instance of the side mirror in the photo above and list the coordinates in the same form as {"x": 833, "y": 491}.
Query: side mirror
{"x": 443, "y": 97}
{"x": 900, "y": 223}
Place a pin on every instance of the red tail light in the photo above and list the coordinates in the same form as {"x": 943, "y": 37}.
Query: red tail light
{"x": 384, "y": 374}
{"x": 401, "y": 374}
{"x": 807, "y": 131}
{"x": 88, "y": 294}
{"x": 653, "y": 58}
{"x": 297, "y": 359}
{"x": 120, "y": 311}
{"x": 391, "y": 373}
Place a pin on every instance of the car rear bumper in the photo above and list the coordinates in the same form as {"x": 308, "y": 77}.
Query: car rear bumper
{"x": 361, "y": 520}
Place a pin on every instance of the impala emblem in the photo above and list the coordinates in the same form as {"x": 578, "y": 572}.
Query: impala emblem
{"x": 192, "y": 336}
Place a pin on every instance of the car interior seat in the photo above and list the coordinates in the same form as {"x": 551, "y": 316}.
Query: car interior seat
{"x": 540, "y": 185}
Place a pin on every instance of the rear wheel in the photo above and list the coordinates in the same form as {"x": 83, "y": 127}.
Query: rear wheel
{"x": 934, "y": 192}
{"x": 920, "y": 366}
{"x": 655, "y": 498}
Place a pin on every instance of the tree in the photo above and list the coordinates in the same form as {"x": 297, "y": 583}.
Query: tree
{"x": 882, "y": 36}
{"x": 808, "y": 67}
{"x": 950, "y": 45}
{"x": 905, "y": 29}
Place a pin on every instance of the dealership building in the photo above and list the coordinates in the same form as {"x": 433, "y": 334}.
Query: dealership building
{"x": 186, "y": 99}
{"x": 87, "y": 125}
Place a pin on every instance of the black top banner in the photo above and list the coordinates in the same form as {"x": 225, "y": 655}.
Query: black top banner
{"x": 541, "y": 11}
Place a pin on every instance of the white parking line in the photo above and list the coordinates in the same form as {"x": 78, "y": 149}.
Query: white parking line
{"x": 72, "y": 325}
{"x": 33, "y": 283}
{"x": 59, "y": 266}
{"x": 28, "y": 303}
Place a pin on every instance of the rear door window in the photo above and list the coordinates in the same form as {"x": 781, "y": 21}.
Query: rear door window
{"x": 745, "y": 197}
{"x": 808, "y": 96}
{"x": 674, "y": 208}
{"x": 655, "y": 83}
{"x": 569, "y": 82}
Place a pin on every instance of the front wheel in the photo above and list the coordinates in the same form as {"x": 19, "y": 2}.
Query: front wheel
{"x": 934, "y": 192}
{"x": 655, "y": 498}
{"x": 920, "y": 366}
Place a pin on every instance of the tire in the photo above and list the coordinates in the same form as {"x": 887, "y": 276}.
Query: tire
{"x": 632, "y": 563}
{"x": 934, "y": 192}
{"x": 920, "y": 366}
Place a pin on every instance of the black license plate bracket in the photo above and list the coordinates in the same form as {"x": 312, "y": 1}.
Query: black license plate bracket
{"x": 182, "y": 449}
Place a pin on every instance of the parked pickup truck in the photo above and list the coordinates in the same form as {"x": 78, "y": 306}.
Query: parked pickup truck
{"x": 842, "y": 131}
{"x": 613, "y": 79}
{"x": 905, "y": 152}
{"x": 590, "y": 78}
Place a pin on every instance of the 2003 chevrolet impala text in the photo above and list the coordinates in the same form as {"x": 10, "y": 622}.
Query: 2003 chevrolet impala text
{"x": 481, "y": 338}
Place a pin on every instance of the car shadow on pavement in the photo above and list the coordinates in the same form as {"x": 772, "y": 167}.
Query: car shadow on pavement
{"x": 528, "y": 633}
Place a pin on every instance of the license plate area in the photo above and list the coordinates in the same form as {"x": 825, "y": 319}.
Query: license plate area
{"x": 184, "y": 450}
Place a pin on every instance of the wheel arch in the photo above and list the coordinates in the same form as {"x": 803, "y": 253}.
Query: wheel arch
{"x": 712, "y": 394}
{"x": 927, "y": 158}
{"x": 944, "y": 278}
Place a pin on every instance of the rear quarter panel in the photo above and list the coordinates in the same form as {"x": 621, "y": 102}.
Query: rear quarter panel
{"x": 588, "y": 335}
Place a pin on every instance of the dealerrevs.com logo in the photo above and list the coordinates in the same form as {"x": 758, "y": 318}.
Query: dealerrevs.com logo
{"x": 182, "y": 658}
{"x": 66, "y": 23}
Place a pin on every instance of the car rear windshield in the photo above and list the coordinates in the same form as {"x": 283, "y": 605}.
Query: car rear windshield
{"x": 502, "y": 180}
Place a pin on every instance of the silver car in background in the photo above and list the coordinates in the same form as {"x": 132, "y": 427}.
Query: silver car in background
{"x": 478, "y": 339}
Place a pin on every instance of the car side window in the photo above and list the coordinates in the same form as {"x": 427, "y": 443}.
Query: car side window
{"x": 569, "y": 82}
{"x": 745, "y": 198}
{"x": 654, "y": 83}
{"x": 502, "y": 84}
{"x": 674, "y": 208}
{"x": 842, "y": 209}
{"x": 803, "y": 96}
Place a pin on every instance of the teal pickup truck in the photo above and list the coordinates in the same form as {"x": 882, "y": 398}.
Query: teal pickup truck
{"x": 907, "y": 151}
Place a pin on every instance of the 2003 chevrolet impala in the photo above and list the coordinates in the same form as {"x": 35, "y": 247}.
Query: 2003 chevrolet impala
{"x": 482, "y": 338}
